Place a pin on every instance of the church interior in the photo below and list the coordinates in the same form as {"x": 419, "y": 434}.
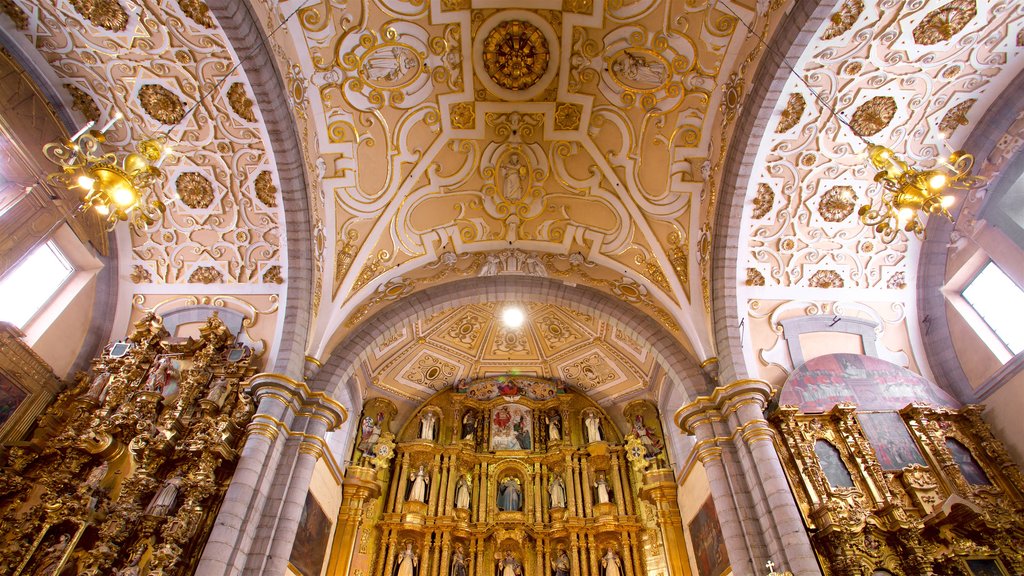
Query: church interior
{"x": 511, "y": 287}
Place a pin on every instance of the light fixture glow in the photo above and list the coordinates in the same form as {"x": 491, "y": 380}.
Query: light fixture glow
{"x": 513, "y": 317}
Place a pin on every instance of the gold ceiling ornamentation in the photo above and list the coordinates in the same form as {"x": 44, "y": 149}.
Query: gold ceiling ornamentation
{"x": 140, "y": 275}
{"x": 240, "y": 102}
{"x": 516, "y": 54}
{"x": 589, "y": 372}
{"x": 509, "y": 341}
{"x": 956, "y": 116}
{"x": 944, "y": 22}
{"x": 205, "y": 275}
{"x": 567, "y": 116}
{"x": 431, "y": 371}
{"x": 194, "y": 190}
{"x": 733, "y": 100}
{"x": 791, "y": 114}
{"x": 162, "y": 104}
{"x": 555, "y": 330}
{"x": 265, "y": 189}
{"x": 578, "y": 6}
{"x": 837, "y": 204}
{"x": 198, "y": 11}
{"x": 754, "y": 278}
{"x": 103, "y": 13}
{"x": 15, "y": 13}
{"x": 679, "y": 257}
{"x": 897, "y": 281}
{"x": 763, "y": 202}
{"x": 273, "y": 275}
{"x": 844, "y": 19}
{"x": 463, "y": 115}
{"x": 83, "y": 102}
{"x": 825, "y": 279}
{"x": 873, "y": 116}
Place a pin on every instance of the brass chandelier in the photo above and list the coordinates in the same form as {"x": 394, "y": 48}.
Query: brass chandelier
{"x": 119, "y": 188}
{"x": 906, "y": 191}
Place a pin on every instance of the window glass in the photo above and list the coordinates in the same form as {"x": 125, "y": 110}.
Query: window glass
{"x": 1000, "y": 303}
{"x": 27, "y": 287}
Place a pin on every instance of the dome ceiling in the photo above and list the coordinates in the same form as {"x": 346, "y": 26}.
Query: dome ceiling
{"x": 418, "y": 358}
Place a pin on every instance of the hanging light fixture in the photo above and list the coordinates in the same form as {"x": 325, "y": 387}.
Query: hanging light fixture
{"x": 907, "y": 191}
{"x": 118, "y": 187}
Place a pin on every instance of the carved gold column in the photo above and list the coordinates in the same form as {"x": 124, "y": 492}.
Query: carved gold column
{"x": 570, "y": 486}
{"x": 360, "y": 485}
{"x": 453, "y": 478}
{"x": 485, "y": 503}
{"x": 620, "y": 495}
{"x": 478, "y": 488}
{"x": 636, "y": 545}
{"x": 435, "y": 485}
{"x": 659, "y": 488}
{"x": 399, "y": 469}
{"x": 446, "y": 551}
{"x": 627, "y": 557}
{"x": 574, "y": 551}
{"x": 588, "y": 500}
{"x": 403, "y": 478}
{"x": 390, "y": 551}
{"x": 536, "y": 494}
{"x": 627, "y": 484}
{"x": 592, "y": 554}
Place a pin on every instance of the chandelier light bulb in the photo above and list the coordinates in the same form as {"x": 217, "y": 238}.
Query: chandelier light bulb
{"x": 947, "y": 201}
{"x": 86, "y": 182}
{"x": 513, "y": 317}
{"x": 905, "y": 215}
{"x": 122, "y": 196}
{"x": 102, "y": 209}
{"x": 937, "y": 181}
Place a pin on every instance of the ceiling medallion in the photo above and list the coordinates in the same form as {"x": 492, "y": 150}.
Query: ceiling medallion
{"x": 516, "y": 54}
{"x": 944, "y": 22}
{"x": 162, "y": 104}
{"x": 837, "y": 204}
{"x": 194, "y": 190}
{"x": 873, "y": 116}
{"x": 103, "y": 13}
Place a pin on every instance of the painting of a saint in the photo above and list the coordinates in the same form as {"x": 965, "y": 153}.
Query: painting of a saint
{"x": 985, "y": 567}
{"x": 511, "y": 428}
{"x": 708, "y": 542}
{"x": 969, "y": 467}
{"x": 832, "y": 464}
{"x": 307, "y": 554}
{"x": 10, "y": 397}
{"x": 894, "y": 447}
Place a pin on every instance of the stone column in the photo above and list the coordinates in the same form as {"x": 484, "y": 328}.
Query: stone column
{"x": 756, "y": 509}
{"x": 255, "y": 527}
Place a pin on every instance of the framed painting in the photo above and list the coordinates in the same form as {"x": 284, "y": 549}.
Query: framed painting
{"x": 832, "y": 464}
{"x": 310, "y": 545}
{"x": 11, "y": 396}
{"x": 511, "y": 428}
{"x": 708, "y": 543}
{"x": 894, "y": 447}
{"x": 986, "y": 567}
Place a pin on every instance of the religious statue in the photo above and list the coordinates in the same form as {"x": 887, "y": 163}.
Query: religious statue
{"x": 458, "y": 562}
{"x": 369, "y": 432}
{"x": 407, "y": 563}
{"x": 462, "y": 493}
{"x": 98, "y": 387}
{"x": 389, "y": 65}
{"x": 513, "y": 177}
{"x": 218, "y": 392}
{"x": 560, "y": 565}
{"x": 601, "y": 484}
{"x": 163, "y": 503}
{"x": 93, "y": 488}
{"x": 163, "y": 377}
{"x": 610, "y": 564}
{"x": 50, "y": 558}
{"x": 509, "y": 566}
{"x": 556, "y": 489}
{"x": 554, "y": 426}
{"x": 510, "y": 497}
{"x": 592, "y": 422}
{"x": 418, "y": 488}
{"x": 652, "y": 444}
{"x": 427, "y": 422}
{"x": 468, "y": 425}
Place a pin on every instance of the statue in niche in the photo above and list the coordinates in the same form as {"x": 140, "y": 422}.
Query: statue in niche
{"x": 610, "y": 564}
{"x": 554, "y": 426}
{"x": 132, "y": 568}
{"x": 389, "y": 65}
{"x": 509, "y": 566}
{"x": 652, "y": 444}
{"x": 98, "y": 387}
{"x": 458, "y": 562}
{"x": 427, "y": 422}
{"x": 556, "y": 490}
{"x": 407, "y": 563}
{"x": 560, "y": 565}
{"x": 163, "y": 377}
{"x": 50, "y": 558}
{"x": 418, "y": 488}
{"x": 218, "y": 392}
{"x": 513, "y": 178}
{"x": 163, "y": 503}
{"x": 370, "y": 432}
{"x": 603, "y": 493}
{"x": 592, "y": 422}
{"x": 510, "y": 496}
{"x": 469, "y": 425}
{"x": 462, "y": 493}
{"x": 640, "y": 70}
{"x": 93, "y": 489}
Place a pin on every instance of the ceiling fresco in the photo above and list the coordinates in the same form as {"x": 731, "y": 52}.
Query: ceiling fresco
{"x": 418, "y": 358}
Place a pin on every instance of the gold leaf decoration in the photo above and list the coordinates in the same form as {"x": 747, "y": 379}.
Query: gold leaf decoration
{"x": 194, "y": 190}
{"x": 956, "y": 116}
{"x": 826, "y": 279}
{"x": 897, "y": 281}
{"x": 567, "y": 116}
{"x": 103, "y": 13}
{"x": 140, "y": 275}
{"x": 944, "y": 22}
{"x": 1020, "y": 37}
{"x": 764, "y": 201}
{"x": 837, "y": 204}
{"x": 754, "y": 278}
{"x": 240, "y": 102}
{"x": 733, "y": 100}
{"x": 198, "y": 11}
{"x": 205, "y": 275}
{"x": 273, "y": 275}
{"x": 83, "y": 102}
{"x": 15, "y": 13}
{"x": 874, "y": 115}
{"x": 792, "y": 113}
{"x": 161, "y": 104}
{"x": 516, "y": 54}
{"x": 463, "y": 115}
{"x": 578, "y": 6}
{"x": 265, "y": 189}
{"x": 844, "y": 19}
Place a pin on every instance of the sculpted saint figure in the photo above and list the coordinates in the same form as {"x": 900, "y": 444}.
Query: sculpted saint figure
{"x": 509, "y": 565}
{"x": 510, "y": 498}
{"x": 462, "y": 493}
{"x": 427, "y": 426}
{"x": 554, "y": 426}
{"x": 593, "y": 425}
{"x": 418, "y": 489}
{"x": 163, "y": 502}
{"x": 610, "y": 564}
{"x": 560, "y": 566}
{"x": 458, "y": 562}
{"x": 407, "y": 563}
{"x": 603, "y": 496}
{"x": 556, "y": 490}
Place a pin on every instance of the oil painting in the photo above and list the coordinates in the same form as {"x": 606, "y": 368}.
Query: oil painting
{"x": 310, "y": 546}
{"x": 708, "y": 542}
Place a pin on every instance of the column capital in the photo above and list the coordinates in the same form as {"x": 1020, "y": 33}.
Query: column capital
{"x": 721, "y": 402}
{"x": 299, "y": 398}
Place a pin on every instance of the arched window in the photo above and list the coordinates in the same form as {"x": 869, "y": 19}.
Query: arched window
{"x": 832, "y": 464}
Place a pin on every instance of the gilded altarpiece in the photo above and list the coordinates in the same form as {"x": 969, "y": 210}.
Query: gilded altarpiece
{"x": 510, "y": 476}
{"x": 936, "y": 494}
{"x": 124, "y": 473}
